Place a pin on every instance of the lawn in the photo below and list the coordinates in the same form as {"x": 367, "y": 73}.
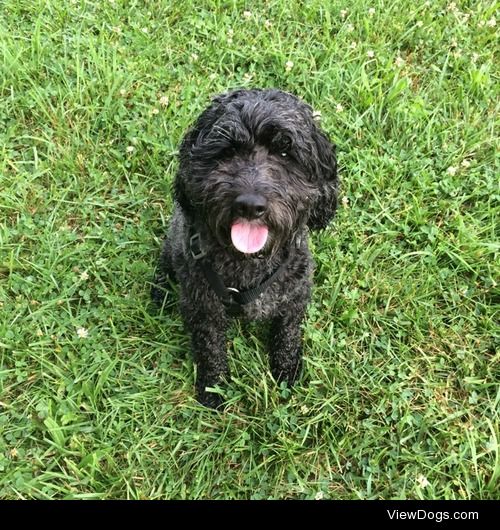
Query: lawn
{"x": 400, "y": 392}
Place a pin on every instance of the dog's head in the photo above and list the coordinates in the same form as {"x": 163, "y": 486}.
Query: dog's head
{"x": 257, "y": 168}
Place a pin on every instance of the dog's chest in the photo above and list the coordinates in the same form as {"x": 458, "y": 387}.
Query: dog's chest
{"x": 293, "y": 284}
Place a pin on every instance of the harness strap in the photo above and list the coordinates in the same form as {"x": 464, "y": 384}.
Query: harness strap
{"x": 232, "y": 298}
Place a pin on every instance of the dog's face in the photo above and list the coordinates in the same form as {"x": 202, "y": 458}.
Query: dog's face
{"x": 254, "y": 166}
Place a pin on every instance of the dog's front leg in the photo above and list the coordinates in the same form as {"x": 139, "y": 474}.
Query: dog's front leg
{"x": 286, "y": 346}
{"x": 208, "y": 339}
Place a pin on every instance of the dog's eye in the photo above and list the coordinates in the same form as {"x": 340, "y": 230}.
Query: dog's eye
{"x": 229, "y": 150}
{"x": 282, "y": 144}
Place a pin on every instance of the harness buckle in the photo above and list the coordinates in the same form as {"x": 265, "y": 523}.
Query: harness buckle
{"x": 195, "y": 247}
{"x": 232, "y": 303}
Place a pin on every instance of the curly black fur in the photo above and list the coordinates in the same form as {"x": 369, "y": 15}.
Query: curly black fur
{"x": 266, "y": 143}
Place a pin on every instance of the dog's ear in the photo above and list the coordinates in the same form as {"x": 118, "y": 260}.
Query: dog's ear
{"x": 325, "y": 168}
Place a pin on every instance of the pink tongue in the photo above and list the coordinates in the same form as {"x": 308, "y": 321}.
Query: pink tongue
{"x": 248, "y": 237}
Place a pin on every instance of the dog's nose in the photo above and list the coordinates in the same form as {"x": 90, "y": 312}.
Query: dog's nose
{"x": 250, "y": 205}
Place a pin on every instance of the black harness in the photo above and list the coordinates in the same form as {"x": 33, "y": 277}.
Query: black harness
{"x": 233, "y": 299}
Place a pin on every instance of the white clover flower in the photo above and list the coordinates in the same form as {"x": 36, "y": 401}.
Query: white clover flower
{"x": 288, "y": 65}
{"x": 399, "y": 62}
{"x": 370, "y": 54}
{"x": 350, "y": 28}
{"x": 84, "y": 276}
{"x": 163, "y": 101}
{"x": 154, "y": 111}
{"x": 130, "y": 149}
{"x": 422, "y": 481}
{"x": 268, "y": 23}
{"x": 319, "y": 496}
{"x": 194, "y": 56}
{"x": 339, "y": 107}
{"x": 343, "y": 13}
{"x": 466, "y": 163}
{"x": 247, "y": 14}
{"x": 371, "y": 11}
{"x": 82, "y": 333}
{"x": 491, "y": 22}
{"x": 353, "y": 45}
{"x": 452, "y": 170}
{"x": 345, "y": 202}
{"x": 419, "y": 23}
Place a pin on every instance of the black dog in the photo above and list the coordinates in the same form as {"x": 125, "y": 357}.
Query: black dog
{"x": 255, "y": 172}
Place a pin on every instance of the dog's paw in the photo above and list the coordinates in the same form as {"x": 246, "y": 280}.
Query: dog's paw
{"x": 163, "y": 292}
{"x": 211, "y": 400}
{"x": 288, "y": 374}
{"x": 158, "y": 292}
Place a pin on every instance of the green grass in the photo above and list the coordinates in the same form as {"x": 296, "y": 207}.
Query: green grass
{"x": 400, "y": 395}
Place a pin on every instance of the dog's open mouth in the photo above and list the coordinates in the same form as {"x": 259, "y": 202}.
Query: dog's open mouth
{"x": 249, "y": 236}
